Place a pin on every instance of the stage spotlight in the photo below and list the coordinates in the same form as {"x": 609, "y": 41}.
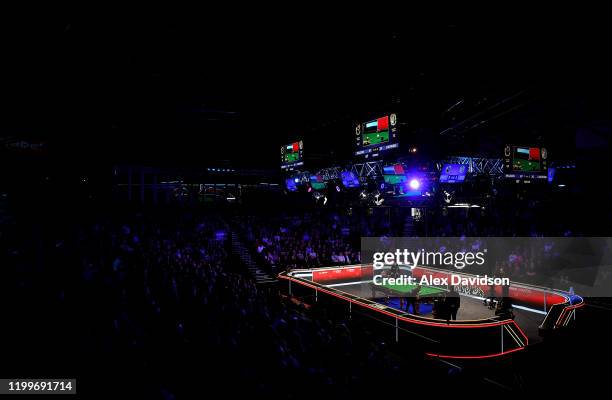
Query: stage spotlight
{"x": 319, "y": 196}
{"x": 377, "y": 198}
{"x": 296, "y": 180}
{"x": 337, "y": 188}
{"x": 414, "y": 184}
{"x": 448, "y": 197}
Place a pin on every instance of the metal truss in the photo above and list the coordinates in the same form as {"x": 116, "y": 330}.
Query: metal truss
{"x": 367, "y": 169}
{"x": 477, "y": 165}
{"x": 362, "y": 170}
{"x": 373, "y": 169}
{"x": 329, "y": 174}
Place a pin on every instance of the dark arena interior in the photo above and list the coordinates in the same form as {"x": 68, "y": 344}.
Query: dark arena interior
{"x": 193, "y": 208}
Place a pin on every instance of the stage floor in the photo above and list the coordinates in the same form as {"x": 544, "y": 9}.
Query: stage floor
{"x": 471, "y": 308}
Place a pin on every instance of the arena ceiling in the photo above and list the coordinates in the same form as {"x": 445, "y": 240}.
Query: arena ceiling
{"x": 194, "y": 93}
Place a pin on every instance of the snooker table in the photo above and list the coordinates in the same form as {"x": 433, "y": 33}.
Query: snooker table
{"x": 406, "y": 290}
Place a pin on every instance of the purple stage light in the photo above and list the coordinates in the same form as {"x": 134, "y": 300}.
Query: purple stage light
{"x": 414, "y": 184}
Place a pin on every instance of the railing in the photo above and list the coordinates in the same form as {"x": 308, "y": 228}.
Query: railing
{"x": 490, "y": 337}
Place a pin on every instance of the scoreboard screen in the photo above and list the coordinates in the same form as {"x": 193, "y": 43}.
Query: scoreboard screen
{"x": 395, "y": 169}
{"x": 317, "y": 182}
{"x": 394, "y": 179}
{"x": 453, "y": 173}
{"x": 376, "y": 136}
{"x": 524, "y": 162}
{"x": 291, "y": 185}
{"x": 394, "y": 174}
{"x": 292, "y": 155}
{"x": 349, "y": 179}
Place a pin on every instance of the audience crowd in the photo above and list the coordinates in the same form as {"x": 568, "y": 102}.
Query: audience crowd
{"x": 160, "y": 298}
{"x": 330, "y": 237}
{"x": 304, "y": 240}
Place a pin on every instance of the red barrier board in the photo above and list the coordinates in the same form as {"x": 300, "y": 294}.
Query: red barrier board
{"x": 342, "y": 274}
